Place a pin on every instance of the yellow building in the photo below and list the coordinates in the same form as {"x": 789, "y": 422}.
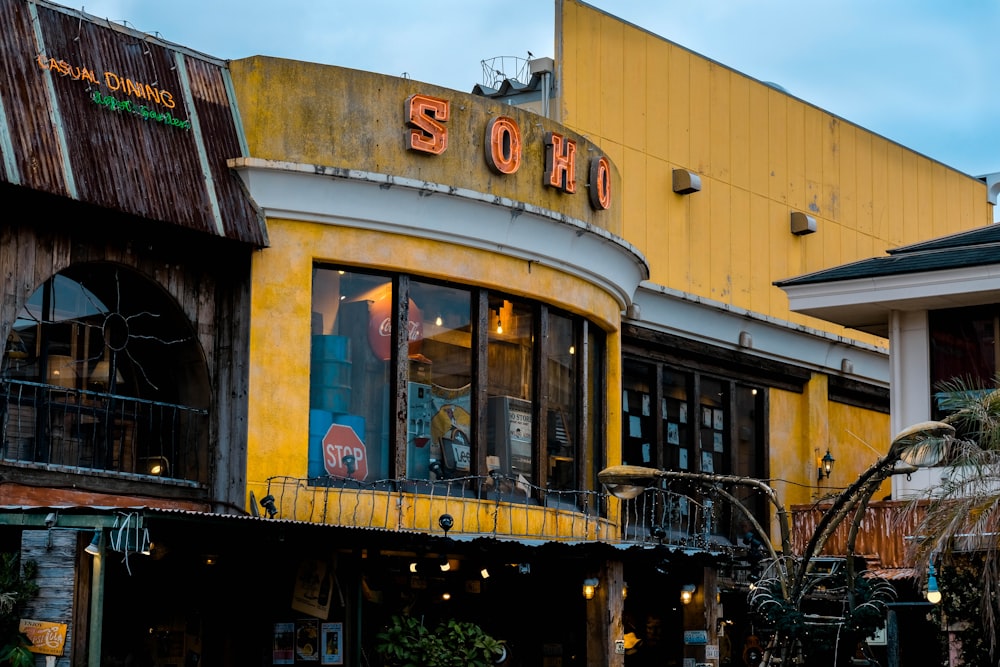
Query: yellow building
{"x": 786, "y": 189}
{"x": 435, "y": 320}
{"x": 404, "y": 329}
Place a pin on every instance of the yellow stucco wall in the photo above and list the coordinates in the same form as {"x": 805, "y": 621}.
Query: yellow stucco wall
{"x": 654, "y": 106}
{"x": 281, "y": 319}
{"x": 802, "y": 428}
{"x": 305, "y": 113}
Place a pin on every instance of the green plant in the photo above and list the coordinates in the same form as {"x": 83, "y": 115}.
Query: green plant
{"x": 17, "y": 586}
{"x": 406, "y": 642}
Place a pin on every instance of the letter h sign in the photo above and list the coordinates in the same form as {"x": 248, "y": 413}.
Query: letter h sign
{"x": 560, "y": 162}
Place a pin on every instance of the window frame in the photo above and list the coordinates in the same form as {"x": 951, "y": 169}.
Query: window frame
{"x": 589, "y": 451}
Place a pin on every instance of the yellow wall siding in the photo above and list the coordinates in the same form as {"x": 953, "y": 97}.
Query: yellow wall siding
{"x": 802, "y": 424}
{"x": 683, "y": 110}
{"x": 281, "y": 309}
{"x": 861, "y": 439}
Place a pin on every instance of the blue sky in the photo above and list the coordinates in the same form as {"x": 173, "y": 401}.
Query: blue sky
{"x": 915, "y": 71}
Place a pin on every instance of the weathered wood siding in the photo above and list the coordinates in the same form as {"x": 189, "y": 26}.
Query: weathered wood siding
{"x": 119, "y": 119}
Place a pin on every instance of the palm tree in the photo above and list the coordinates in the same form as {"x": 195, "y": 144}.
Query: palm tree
{"x": 960, "y": 516}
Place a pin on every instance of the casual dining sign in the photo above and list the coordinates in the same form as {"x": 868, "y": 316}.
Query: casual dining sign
{"x": 116, "y": 92}
{"x": 427, "y": 132}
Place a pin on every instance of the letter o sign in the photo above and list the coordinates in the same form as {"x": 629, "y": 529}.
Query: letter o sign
{"x": 600, "y": 183}
{"x": 503, "y": 145}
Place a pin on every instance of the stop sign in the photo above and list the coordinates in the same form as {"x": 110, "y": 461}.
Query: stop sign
{"x": 344, "y": 454}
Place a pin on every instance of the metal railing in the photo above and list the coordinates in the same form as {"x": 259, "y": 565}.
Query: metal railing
{"x": 486, "y": 506}
{"x": 74, "y": 428}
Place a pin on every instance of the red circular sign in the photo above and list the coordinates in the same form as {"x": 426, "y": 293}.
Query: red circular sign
{"x": 380, "y": 328}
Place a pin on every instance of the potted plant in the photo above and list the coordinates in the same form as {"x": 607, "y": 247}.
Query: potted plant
{"x": 407, "y": 642}
{"x": 16, "y": 587}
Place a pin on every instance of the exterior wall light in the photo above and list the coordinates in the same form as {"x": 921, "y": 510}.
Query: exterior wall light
{"x": 687, "y": 593}
{"x": 802, "y": 224}
{"x": 590, "y": 587}
{"x": 685, "y": 182}
{"x": 933, "y": 592}
{"x": 94, "y": 547}
{"x": 825, "y": 465}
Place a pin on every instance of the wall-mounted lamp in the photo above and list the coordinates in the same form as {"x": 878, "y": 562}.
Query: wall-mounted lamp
{"x": 933, "y": 592}
{"x": 267, "y": 502}
{"x": 687, "y": 593}
{"x": 824, "y": 466}
{"x": 414, "y": 566}
{"x": 686, "y": 182}
{"x": 484, "y": 573}
{"x": 802, "y": 224}
{"x": 446, "y": 521}
{"x": 746, "y": 339}
{"x": 94, "y": 547}
{"x": 444, "y": 563}
{"x": 590, "y": 587}
{"x": 158, "y": 466}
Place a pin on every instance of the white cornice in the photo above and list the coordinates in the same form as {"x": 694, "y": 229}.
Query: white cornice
{"x": 366, "y": 200}
{"x": 715, "y": 323}
{"x": 866, "y": 303}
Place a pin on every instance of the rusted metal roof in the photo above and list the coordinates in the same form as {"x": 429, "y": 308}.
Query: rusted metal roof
{"x": 882, "y": 532}
{"x": 113, "y": 117}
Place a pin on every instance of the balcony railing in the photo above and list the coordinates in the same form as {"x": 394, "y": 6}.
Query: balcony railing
{"x": 80, "y": 429}
{"x": 486, "y": 506}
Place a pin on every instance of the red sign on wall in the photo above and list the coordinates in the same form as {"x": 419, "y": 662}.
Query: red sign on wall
{"x": 344, "y": 455}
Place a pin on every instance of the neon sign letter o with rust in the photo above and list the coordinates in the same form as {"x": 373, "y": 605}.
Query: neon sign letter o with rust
{"x": 503, "y": 145}
{"x": 600, "y": 183}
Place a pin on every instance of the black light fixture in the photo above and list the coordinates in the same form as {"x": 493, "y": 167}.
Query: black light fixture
{"x": 825, "y": 465}
{"x": 350, "y": 463}
{"x": 446, "y": 521}
{"x": 267, "y": 502}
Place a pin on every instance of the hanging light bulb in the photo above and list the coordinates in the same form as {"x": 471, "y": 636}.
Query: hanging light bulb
{"x": 933, "y": 592}
{"x": 499, "y": 326}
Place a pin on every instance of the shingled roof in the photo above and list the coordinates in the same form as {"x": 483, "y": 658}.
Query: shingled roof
{"x": 976, "y": 247}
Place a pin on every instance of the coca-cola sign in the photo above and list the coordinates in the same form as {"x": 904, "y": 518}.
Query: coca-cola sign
{"x": 380, "y": 328}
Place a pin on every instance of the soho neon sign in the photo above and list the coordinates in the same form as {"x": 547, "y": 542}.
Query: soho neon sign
{"x": 427, "y": 132}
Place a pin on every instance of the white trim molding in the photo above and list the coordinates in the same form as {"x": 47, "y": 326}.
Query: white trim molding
{"x": 381, "y": 202}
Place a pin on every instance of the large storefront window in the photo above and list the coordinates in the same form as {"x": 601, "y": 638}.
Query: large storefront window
{"x": 102, "y": 371}
{"x": 685, "y": 420}
{"x": 492, "y": 387}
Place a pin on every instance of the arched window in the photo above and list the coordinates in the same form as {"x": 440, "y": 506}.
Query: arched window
{"x": 103, "y": 371}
